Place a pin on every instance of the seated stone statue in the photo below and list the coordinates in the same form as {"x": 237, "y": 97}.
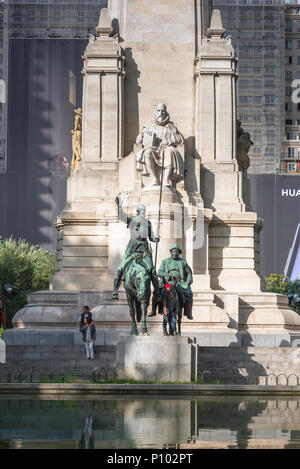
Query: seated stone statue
{"x": 140, "y": 230}
{"x": 176, "y": 271}
{"x": 159, "y": 152}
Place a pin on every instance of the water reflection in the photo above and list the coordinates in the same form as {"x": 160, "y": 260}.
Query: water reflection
{"x": 150, "y": 422}
{"x": 87, "y": 440}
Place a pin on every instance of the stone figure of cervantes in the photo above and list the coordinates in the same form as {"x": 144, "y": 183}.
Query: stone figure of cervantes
{"x": 159, "y": 153}
{"x": 77, "y": 139}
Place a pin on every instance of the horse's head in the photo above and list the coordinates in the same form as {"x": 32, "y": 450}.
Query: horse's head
{"x": 173, "y": 278}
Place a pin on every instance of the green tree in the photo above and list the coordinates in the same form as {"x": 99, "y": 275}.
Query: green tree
{"x": 278, "y": 283}
{"x": 26, "y": 267}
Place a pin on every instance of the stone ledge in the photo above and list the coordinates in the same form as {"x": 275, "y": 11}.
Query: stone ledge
{"x": 160, "y": 389}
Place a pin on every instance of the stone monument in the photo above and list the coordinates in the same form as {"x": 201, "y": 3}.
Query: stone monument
{"x": 185, "y": 172}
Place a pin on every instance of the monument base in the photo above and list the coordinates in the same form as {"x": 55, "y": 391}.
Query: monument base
{"x": 153, "y": 358}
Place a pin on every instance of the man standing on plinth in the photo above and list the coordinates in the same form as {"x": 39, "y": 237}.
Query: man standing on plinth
{"x": 176, "y": 271}
{"x": 159, "y": 152}
{"x": 138, "y": 248}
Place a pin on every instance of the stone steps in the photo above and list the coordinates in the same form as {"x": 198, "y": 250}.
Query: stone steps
{"x": 39, "y": 361}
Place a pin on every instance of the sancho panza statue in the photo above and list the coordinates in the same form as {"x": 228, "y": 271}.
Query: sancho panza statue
{"x": 176, "y": 270}
{"x": 159, "y": 140}
{"x": 140, "y": 230}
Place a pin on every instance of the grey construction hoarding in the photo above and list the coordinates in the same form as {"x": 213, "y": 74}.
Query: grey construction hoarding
{"x": 44, "y": 86}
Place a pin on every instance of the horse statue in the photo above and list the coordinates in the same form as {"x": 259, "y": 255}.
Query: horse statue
{"x": 138, "y": 292}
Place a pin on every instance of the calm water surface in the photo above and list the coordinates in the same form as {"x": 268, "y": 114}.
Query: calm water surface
{"x": 153, "y": 422}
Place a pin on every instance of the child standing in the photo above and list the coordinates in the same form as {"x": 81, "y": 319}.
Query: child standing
{"x": 169, "y": 302}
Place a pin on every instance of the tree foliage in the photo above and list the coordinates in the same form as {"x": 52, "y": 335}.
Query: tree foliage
{"x": 278, "y": 283}
{"x": 26, "y": 267}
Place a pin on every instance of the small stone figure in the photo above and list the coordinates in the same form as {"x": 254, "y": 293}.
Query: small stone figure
{"x": 159, "y": 152}
{"x": 177, "y": 272}
{"x": 77, "y": 139}
{"x": 244, "y": 143}
{"x": 137, "y": 249}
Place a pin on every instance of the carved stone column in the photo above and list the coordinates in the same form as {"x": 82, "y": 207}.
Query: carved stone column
{"x": 232, "y": 258}
{"x": 103, "y": 73}
{"x": 215, "y": 130}
{"x": 93, "y": 185}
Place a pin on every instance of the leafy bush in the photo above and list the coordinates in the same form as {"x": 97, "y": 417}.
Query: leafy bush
{"x": 277, "y": 283}
{"x": 24, "y": 266}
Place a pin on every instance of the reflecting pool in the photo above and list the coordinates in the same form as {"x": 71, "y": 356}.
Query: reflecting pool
{"x": 149, "y": 422}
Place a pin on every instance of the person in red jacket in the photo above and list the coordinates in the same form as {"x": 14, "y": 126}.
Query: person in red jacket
{"x": 2, "y": 319}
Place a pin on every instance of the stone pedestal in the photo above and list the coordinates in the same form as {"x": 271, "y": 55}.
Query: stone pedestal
{"x": 267, "y": 321}
{"x": 157, "y": 358}
{"x": 234, "y": 258}
{"x": 2, "y": 352}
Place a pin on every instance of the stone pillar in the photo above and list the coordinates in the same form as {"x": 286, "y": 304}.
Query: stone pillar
{"x": 233, "y": 251}
{"x": 83, "y": 247}
{"x": 215, "y": 129}
{"x": 103, "y": 97}
{"x": 233, "y": 232}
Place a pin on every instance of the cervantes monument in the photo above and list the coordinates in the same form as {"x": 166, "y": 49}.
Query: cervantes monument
{"x": 159, "y": 92}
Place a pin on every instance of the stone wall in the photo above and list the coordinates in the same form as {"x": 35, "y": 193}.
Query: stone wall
{"x": 228, "y": 365}
{"x": 249, "y": 365}
{"x": 25, "y": 363}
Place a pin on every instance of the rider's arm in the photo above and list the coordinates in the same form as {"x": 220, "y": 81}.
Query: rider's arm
{"x": 151, "y": 235}
{"x": 121, "y": 214}
{"x": 188, "y": 270}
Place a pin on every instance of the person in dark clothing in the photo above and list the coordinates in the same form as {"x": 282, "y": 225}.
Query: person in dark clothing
{"x": 86, "y": 314}
{"x": 169, "y": 302}
{"x": 89, "y": 336}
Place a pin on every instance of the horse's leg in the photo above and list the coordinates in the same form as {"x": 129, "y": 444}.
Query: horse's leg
{"x": 144, "y": 314}
{"x": 179, "y": 322}
{"x": 130, "y": 301}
